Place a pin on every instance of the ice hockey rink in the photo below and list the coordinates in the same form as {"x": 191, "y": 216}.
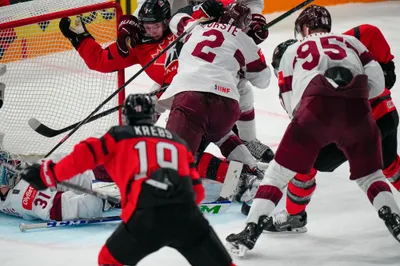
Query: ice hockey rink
{"x": 343, "y": 227}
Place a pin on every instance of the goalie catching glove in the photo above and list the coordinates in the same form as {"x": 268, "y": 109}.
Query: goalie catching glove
{"x": 40, "y": 176}
{"x": 74, "y": 34}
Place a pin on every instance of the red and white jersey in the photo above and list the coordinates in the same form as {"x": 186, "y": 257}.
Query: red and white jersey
{"x": 315, "y": 54}
{"x": 63, "y": 204}
{"x": 26, "y": 202}
{"x": 213, "y": 59}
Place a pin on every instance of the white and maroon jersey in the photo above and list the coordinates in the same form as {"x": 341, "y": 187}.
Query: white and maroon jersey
{"x": 26, "y": 202}
{"x": 315, "y": 54}
{"x": 212, "y": 58}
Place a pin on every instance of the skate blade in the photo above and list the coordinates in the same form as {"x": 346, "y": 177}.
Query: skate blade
{"x": 299, "y": 230}
{"x": 238, "y": 251}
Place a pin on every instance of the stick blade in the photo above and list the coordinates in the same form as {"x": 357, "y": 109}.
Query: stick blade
{"x": 34, "y": 123}
{"x": 41, "y": 128}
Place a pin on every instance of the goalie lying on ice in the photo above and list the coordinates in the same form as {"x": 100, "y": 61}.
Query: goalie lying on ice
{"x": 19, "y": 199}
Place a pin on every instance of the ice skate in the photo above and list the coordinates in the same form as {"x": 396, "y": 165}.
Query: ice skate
{"x": 238, "y": 244}
{"x": 259, "y": 150}
{"x": 392, "y": 221}
{"x": 249, "y": 181}
{"x": 284, "y": 222}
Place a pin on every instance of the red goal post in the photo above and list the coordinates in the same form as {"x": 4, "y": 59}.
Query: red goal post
{"x": 46, "y": 78}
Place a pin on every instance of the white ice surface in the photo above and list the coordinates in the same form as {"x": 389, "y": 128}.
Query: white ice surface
{"x": 343, "y": 228}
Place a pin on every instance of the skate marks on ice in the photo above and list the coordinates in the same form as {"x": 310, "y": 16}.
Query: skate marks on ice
{"x": 343, "y": 229}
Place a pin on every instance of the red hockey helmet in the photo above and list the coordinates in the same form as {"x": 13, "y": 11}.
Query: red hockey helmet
{"x": 314, "y": 17}
{"x": 237, "y": 15}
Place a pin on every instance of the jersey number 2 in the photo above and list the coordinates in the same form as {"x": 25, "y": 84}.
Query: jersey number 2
{"x": 161, "y": 148}
{"x": 217, "y": 42}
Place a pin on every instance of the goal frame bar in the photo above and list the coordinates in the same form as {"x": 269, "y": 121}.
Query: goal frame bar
{"x": 74, "y": 12}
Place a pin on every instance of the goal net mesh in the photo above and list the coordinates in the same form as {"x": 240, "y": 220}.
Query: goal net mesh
{"x": 46, "y": 79}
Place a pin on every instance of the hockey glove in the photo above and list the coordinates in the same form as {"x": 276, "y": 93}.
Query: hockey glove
{"x": 390, "y": 74}
{"x": 128, "y": 34}
{"x": 40, "y": 176}
{"x": 209, "y": 9}
{"x": 257, "y": 29}
{"x": 74, "y": 34}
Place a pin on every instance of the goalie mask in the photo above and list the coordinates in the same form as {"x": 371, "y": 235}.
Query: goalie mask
{"x": 8, "y": 178}
{"x": 138, "y": 109}
{"x": 313, "y": 17}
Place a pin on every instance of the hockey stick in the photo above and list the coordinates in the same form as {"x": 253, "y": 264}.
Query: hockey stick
{"x": 287, "y": 13}
{"x": 23, "y": 227}
{"x": 48, "y": 132}
{"x": 84, "y": 121}
{"x": 205, "y": 208}
{"x": 71, "y": 186}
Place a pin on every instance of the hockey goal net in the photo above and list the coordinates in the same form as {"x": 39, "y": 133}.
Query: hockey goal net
{"x": 46, "y": 78}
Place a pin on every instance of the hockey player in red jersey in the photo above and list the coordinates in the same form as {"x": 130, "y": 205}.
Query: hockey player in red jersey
{"x": 138, "y": 41}
{"x": 160, "y": 189}
{"x": 326, "y": 95}
{"x": 301, "y": 188}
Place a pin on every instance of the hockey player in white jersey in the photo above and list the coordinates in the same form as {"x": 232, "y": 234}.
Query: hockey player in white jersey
{"x": 245, "y": 127}
{"x": 204, "y": 93}
{"x": 18, "y": 198}
{"x": 325, "y": 82}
